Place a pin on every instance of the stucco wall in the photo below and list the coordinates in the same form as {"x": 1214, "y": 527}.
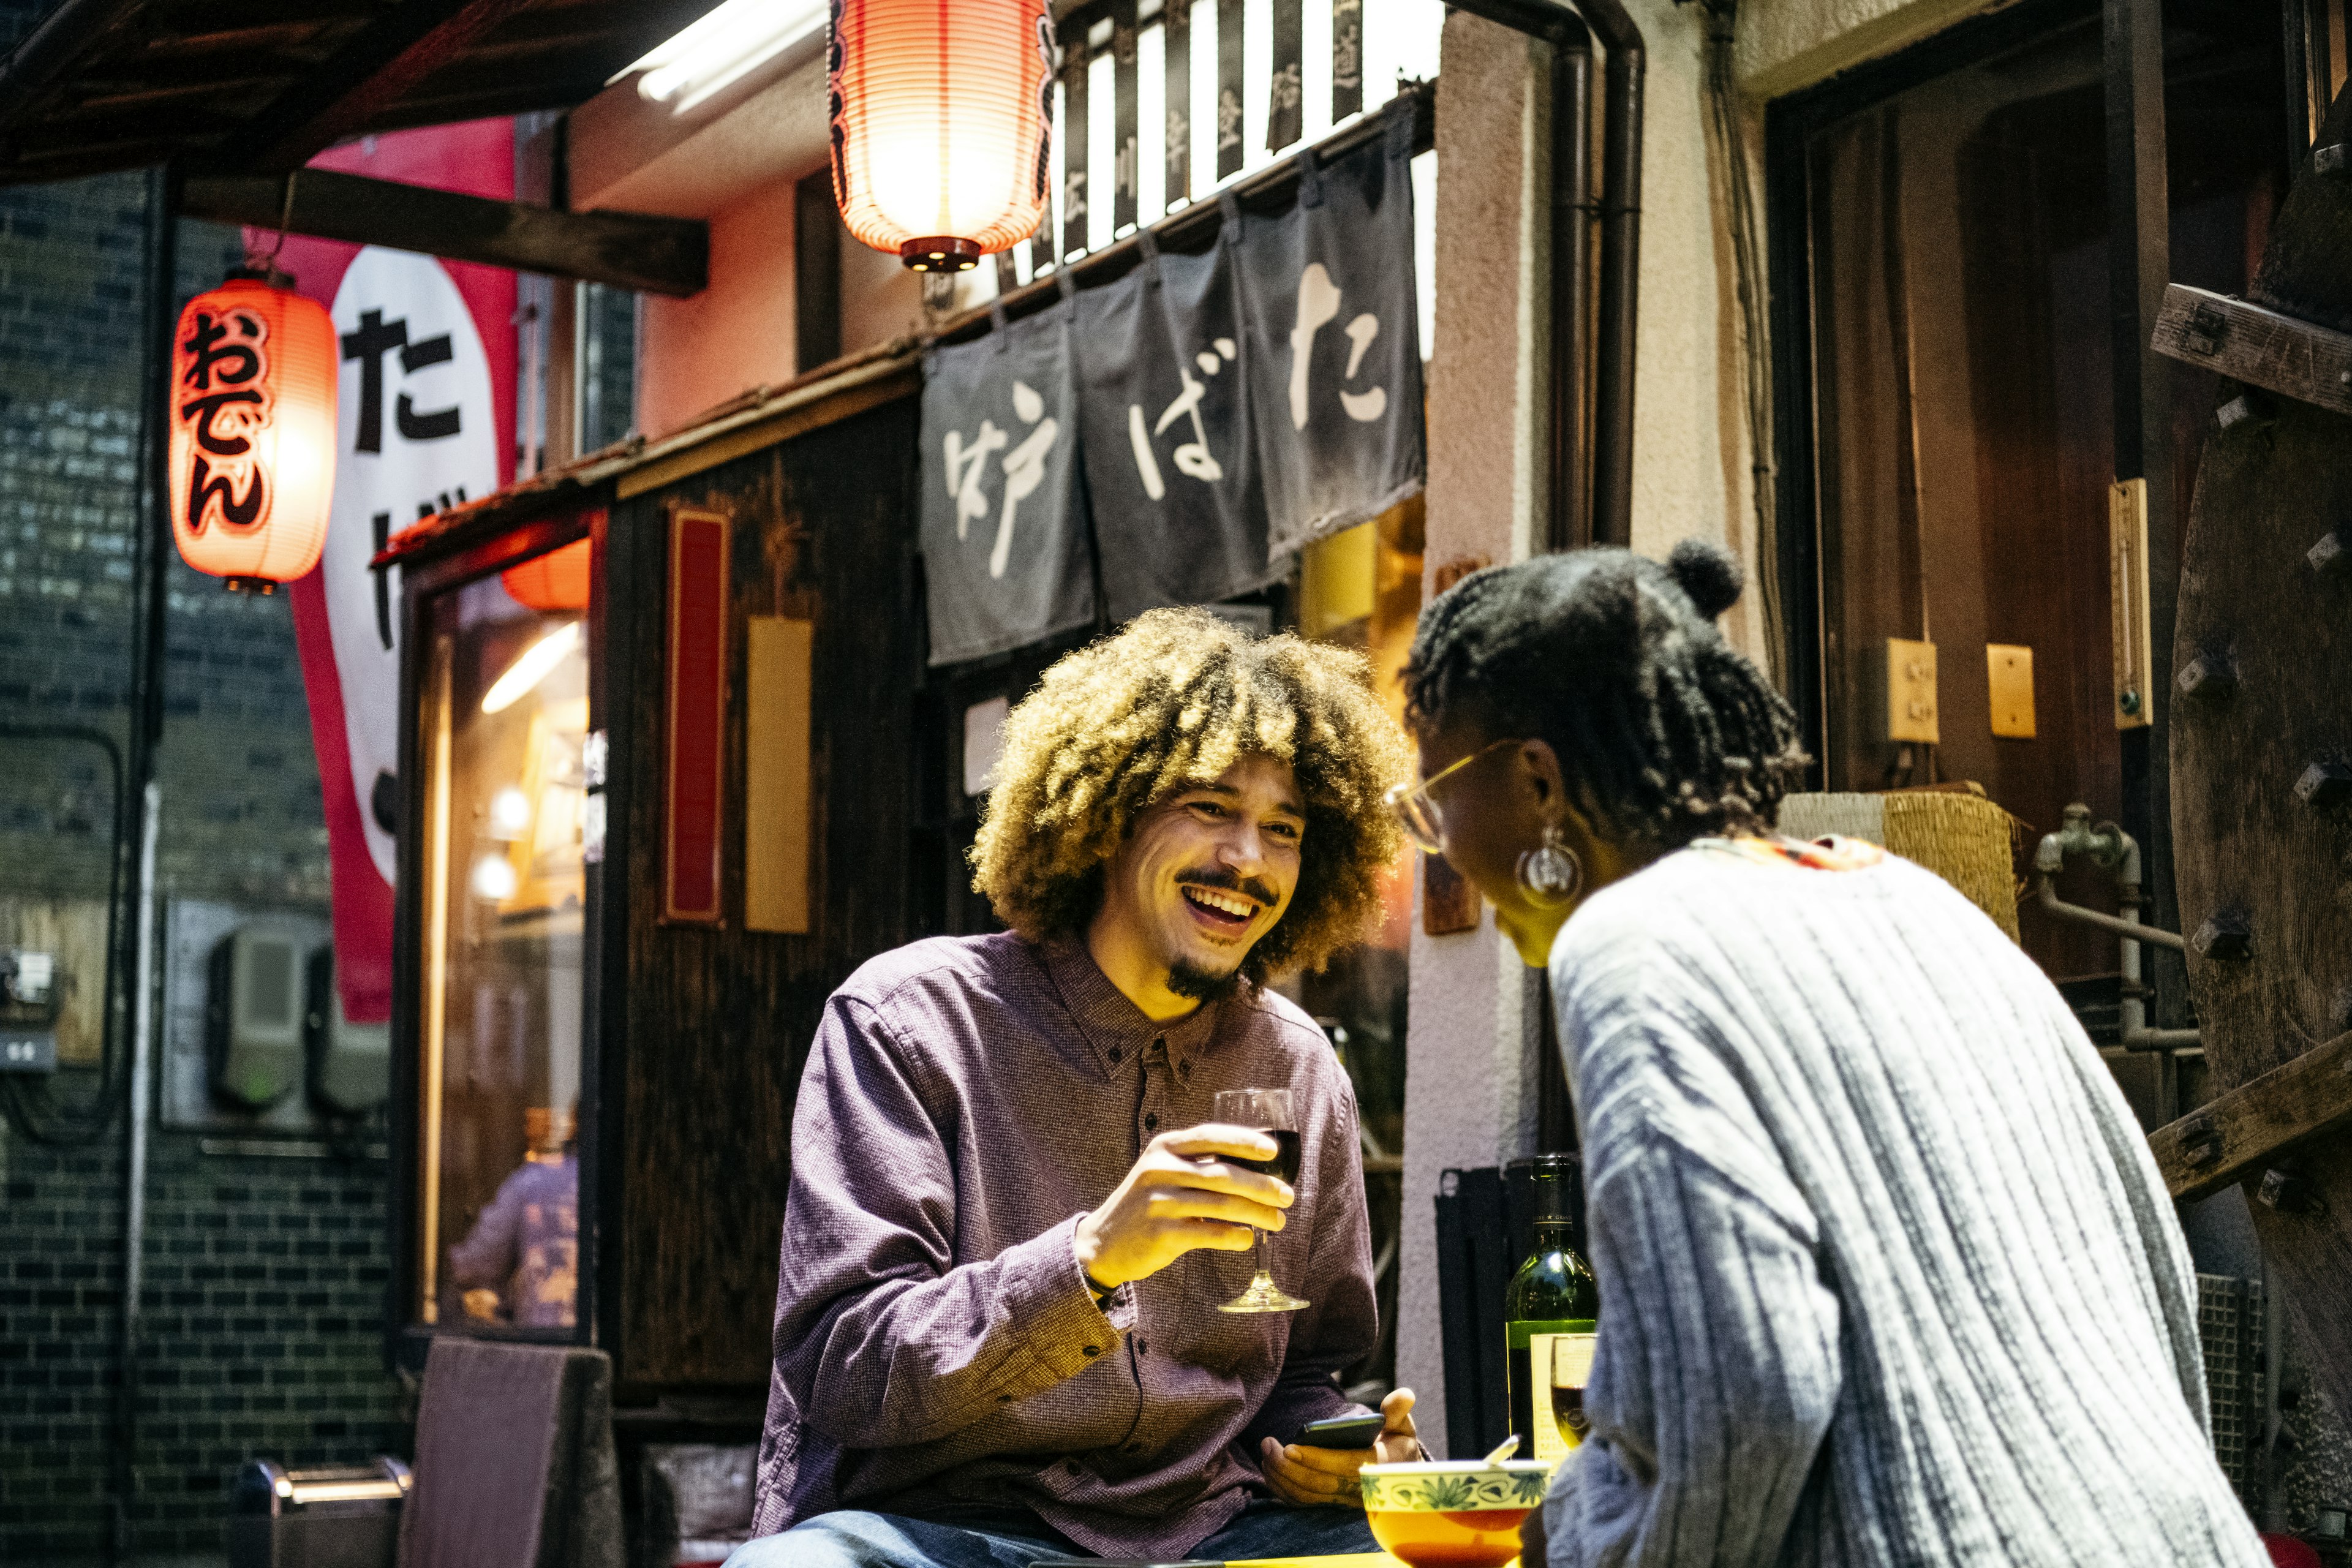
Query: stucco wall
{"x": 1788, "y": 44}
{"x": 1468, "y": 1073}
{"x": 735, "y": 335}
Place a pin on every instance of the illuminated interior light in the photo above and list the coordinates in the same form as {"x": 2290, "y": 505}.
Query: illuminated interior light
{"x": 509, "y": 813}
{"x": 493, "y": 879}
{"x": 537, "y": 660}
{"x": 719, "y": 50}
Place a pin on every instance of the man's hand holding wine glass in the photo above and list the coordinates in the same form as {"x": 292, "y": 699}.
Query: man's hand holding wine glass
{"x": 1183, "y": 1195}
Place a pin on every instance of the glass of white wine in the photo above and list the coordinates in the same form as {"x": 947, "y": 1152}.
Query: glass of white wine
{"x": 1571, "y": 1364}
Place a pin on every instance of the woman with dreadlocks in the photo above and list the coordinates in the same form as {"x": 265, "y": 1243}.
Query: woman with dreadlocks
{"x": 1886, "y": 1272}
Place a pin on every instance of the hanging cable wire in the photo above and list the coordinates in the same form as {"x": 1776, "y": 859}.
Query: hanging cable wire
{"x": 1730, "y": 148}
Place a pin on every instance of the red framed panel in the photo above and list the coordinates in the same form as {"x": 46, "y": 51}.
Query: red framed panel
{"x": 695, "y": 752}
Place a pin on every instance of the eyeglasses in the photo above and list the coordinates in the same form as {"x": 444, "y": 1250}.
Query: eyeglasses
{"x": 1416, "y": 807}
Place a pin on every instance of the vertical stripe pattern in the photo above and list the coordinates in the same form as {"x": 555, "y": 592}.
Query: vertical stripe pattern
{"x": 1887, "y": 1274}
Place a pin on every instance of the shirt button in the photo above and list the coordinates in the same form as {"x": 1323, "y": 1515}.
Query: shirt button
{"x": 1005, "y": 1399}
{"x": 1141, "y": 1347}
{"x": 1094, "y": 1350}
{"x": 1150, "y": 1120}
{"x": 1114, "y": 1053}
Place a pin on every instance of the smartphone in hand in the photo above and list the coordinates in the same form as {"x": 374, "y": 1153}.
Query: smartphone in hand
{"x": 1342, "y": 1431}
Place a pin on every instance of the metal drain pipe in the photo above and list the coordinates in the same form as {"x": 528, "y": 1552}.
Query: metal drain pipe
{"x": 2109, "y": 845}
{"x": 1592, "y": 483}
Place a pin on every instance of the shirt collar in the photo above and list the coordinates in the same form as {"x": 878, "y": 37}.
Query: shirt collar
{"x": 1115, "y": 1028}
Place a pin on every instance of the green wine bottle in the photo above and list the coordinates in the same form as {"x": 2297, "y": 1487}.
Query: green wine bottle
{"x": 1551, "y": 1299}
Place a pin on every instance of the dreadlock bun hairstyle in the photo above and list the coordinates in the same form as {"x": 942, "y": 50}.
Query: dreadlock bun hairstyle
{"x": 1665, "y": 734}
{"x": 1709, "y": 573}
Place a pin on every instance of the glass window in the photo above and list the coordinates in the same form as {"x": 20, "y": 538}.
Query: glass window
{"x": 505, "y": 715}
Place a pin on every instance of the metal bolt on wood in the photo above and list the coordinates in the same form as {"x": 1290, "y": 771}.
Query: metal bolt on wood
{"x": 2332, "y": 556}
{"x": 2224, "y": 937}
{"x": 2325, "y": 783}
{"x": 2246, "y": 409}
{"x": 2209, "y": 675}
{"x": 2288, "y": 1192}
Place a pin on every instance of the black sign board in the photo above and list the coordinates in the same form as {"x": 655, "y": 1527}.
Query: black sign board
{"x": 1172, "y": 472}
{"x": 1224, "y": 409}
{"x": 1334, "y": 346}
{"x": 1004, "y": 543}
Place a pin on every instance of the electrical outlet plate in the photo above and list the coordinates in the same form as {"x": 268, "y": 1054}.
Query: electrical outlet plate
{"x": 2009, "y": 667}
{"x": 1911, "y": 692}
{"x": 2127, "y": 592}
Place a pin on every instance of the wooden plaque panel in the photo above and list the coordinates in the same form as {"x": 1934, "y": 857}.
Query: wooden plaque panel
{"x": 695, "y": 752}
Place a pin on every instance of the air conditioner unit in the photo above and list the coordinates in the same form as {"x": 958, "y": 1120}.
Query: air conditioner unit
{"x": 254, "y": 1017}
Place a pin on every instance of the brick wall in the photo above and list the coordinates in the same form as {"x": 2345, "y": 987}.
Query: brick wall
{"x": 264, "y": 1277}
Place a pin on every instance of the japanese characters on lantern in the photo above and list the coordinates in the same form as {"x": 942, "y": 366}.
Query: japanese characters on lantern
{"x": 252, "y": 418}
{"x": 942, "y": 123}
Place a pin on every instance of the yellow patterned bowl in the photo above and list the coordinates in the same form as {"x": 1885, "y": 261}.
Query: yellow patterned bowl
{"x": 1452, "y": 1513}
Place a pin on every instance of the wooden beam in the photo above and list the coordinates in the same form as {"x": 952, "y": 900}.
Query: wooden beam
{"x": 2261, "y": 347}
{"x": 366, "y": 77}
{"x": 2222, "y": 1141}
{"x": 628, "y": 250}
{"x": 73, "y": 32}
{"x": 375, "y": 73}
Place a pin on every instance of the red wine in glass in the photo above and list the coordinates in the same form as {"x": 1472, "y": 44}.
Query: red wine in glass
{"x": 1266, "y": 1111}
{"x": 1284, "y": 1166}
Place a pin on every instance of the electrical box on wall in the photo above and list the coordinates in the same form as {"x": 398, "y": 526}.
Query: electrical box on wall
{"x": 1911, "y": 692}
{"x": 2008, "y": 675}
{"x": 29, "y": 1011}
{"x": 253, "y": 1017}
{"x": 349, "y": 1064}
{"x": 239, "y": 1052}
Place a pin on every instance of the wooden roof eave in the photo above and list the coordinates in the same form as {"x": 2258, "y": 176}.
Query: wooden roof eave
{"x": 758, "y": 420}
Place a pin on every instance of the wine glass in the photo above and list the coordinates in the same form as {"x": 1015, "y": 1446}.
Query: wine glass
{"x": 1571, "y": 1364}
{"x": 1265, "y": 1110}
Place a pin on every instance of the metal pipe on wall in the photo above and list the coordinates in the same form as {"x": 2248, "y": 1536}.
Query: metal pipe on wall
{"x": 1608, "y": 490}
{"x": 1571, "y": 200}
{"x": 153, "y": 566}
{"x": 1621, "y": 268}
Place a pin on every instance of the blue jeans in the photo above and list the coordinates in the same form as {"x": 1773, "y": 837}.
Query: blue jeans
{"x": 1014, "y": 1538}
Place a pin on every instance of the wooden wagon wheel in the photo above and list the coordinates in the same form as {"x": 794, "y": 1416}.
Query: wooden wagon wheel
{"x": 2262, "y": 751}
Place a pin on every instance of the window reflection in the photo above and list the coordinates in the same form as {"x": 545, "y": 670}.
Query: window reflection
{"x": 505, "y": 717}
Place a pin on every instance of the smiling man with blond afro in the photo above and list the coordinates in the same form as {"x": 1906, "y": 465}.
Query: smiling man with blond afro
{"x": 1014, "y": 1218}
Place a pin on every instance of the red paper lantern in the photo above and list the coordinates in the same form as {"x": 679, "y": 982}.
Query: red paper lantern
{"x": 557, "y": 581}
{"x": 942, "y": 125}
{"x": 253, "y": 432}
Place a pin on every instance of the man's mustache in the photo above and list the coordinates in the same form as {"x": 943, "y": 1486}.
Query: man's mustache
{"x": 1218, "y": 876}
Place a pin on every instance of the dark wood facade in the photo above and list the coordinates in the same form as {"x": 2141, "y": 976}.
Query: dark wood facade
{"x": 694, "y": 1035}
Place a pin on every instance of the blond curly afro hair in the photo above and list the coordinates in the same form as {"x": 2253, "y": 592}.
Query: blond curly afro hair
{"x": 1174, "y": 699}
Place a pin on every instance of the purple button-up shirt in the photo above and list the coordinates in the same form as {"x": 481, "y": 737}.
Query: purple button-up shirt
{"x": 966, "y": 1102}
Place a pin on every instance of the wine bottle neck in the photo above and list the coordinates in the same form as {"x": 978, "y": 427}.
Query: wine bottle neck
{"x": 1552, "y": 1233}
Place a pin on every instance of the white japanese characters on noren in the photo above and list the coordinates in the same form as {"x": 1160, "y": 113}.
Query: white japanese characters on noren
{"x": 1318, "y": 307}
{"x": 1024, "y": 470}
{"x": 1193, "y": 457}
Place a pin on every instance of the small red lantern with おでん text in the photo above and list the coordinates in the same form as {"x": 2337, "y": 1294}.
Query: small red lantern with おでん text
{"x": 253, "y": 432}
{"x": 942, "y": 125}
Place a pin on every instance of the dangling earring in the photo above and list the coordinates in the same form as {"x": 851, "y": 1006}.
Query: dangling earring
{"x": 1550, "y": 874}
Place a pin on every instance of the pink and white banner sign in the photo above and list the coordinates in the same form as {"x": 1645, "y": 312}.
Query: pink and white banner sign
{"x": 425, "y": 413}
